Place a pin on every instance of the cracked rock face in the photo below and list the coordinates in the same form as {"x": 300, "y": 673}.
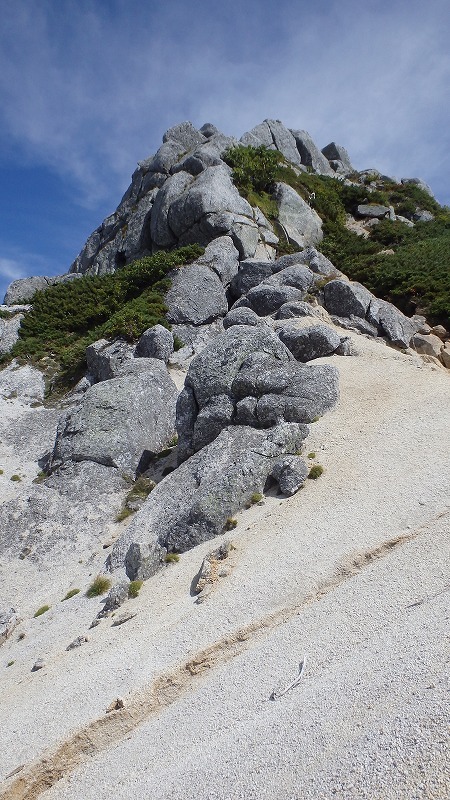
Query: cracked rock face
{"x": 120, "y": 420}
{"x": 248, "y": 376}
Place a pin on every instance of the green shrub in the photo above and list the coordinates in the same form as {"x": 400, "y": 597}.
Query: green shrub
{"x": 134, "y": 588}
{"x": 311, "y": 455}
{"x": 15, "y": 478}
{"x": 41, "y": 610}
{"x": 256, "y": 498}
{"x": 230, "y": 524}
{"x": 315, "y": 472}
{"x": 67, "y": 317}
{"x": 172, "y": 558}
{"x": 99, "y": 586}
{"x": 416, "y": 275}
{"x": 254, "y": 168}
{"x": 70, "y": 593}
{"x": 124, "y": 513}
{"x": 1, "y": 472}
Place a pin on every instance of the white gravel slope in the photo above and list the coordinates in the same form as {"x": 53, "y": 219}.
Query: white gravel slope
{"x": 363, "y": 722}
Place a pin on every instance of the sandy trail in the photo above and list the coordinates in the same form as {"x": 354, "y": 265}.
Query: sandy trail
{"x": 387, "y": 470}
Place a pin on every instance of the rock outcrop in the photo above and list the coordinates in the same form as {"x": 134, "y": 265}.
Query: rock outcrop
{"x": 120, "y": 422}
{"x": 193, "y": 504}
{"x": 248, "y": 376}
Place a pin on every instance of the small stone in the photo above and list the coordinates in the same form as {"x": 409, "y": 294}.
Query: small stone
{"x": 39, "y": 664}
{"x": 116, "y": 705}
{"x": 77, "y": 642}
{"x": 123, "y": 618}
{"x": 439, "y": 330}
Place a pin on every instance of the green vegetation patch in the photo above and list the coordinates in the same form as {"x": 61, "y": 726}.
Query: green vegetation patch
{"x": 68, "y": 317}
{"x": 172, "y": 558}
{"x": 99, "y": 586}
{"x": 416, "y": 277}
{"x": 134, "y": 588}
{"x": 41, "y": 611}
{"x": 70, "y": 593}
{"x": 254, "y": 168}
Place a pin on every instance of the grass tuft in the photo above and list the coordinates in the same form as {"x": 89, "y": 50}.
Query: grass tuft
{"x": 315, "y": 472}
{"x": 134, "y": 588}
{"x": 256, "y": 498}
{"x": 41, "y": 611}
{"x": 99, "y": 586}
{"x": 172, "y": 558}
{"x": 70, "y": 593}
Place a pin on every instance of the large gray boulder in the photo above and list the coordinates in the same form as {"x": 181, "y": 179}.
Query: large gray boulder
{"x": 310, "y": 257}
{"x": 372, "y": 211}
{"x": 309, "y": 343}
{"x": 120, "y": 422}
{"x": 301, "y": 224}
{"x": 23, "y": 289}
{"x": 287, "y": 285}
{"x": 266, "y": 298}
{"x": 222, "y": 257}
{"x": 347, "y": 301}
{"x": 251, "y": 273}
{"x": 186, "y": 134}
{"x": 212, "y": 372}
{"x": 293, "y": 392}
{"x": 212, "y": 206}
{"x": 310, "y": 154}
{"x": 106, "y": 360}
{"x": 193, "y": 504}
{"x": 274, "y": 135}
{"x": 345, "y": 298}
{"x": 155, "y": 342}
{"x": 249, "y": 377}
{"x": 161, "y": 232}
{"x": 242, "y": 316}
{"x": 196, "y": 296}
{"x": 398, "y": 328}
{"x": 298, "y": 308}
{"x": 165, "y": 158}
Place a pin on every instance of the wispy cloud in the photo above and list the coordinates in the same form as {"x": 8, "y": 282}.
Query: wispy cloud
{"x": 11, "y": 270}
{"x": 89, "y": 87}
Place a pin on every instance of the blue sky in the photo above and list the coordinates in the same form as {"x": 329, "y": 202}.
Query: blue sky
{"x": 88, "y": 87}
